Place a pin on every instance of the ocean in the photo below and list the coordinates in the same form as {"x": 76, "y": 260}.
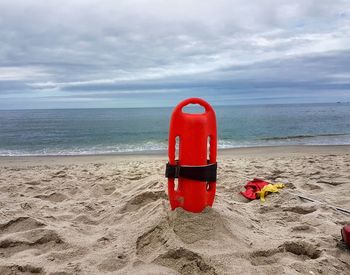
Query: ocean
{"x": 104, "y": 131}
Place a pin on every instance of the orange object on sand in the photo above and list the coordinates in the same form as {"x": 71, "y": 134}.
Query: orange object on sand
{"x": 195, "y": 172}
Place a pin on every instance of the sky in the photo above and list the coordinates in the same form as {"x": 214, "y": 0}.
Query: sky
{"x": 137, "y": 53}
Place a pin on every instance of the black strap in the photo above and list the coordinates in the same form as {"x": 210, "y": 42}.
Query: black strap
{"x": 201, "y": 173}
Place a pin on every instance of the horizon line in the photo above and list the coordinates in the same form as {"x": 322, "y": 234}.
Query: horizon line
{"x": 172, "y": 106}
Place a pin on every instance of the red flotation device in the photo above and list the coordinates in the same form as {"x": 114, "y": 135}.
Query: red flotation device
{"x": 196, "y": 173}
{"x": 346, "y": 234}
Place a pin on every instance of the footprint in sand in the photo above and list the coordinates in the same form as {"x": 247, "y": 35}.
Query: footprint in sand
{"x": 20, "y": 224}
{"x": 20, "y": 269}
{"x": 301, "y": 209}
{"x": 53, "y": 197}
{"x": 153, "y": 242}
{"x": 301, "y": 249}
{"x": 42, "y": 240}
{"x": 185, "y": 261}
{"x": 113, "y": 262}
{"x": 143, "y": 199}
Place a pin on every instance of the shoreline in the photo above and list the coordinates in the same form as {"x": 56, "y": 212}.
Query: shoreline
{"x": 260, "y": 151}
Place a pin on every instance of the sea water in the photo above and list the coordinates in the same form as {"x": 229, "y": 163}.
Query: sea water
{"x": 103, "y": 131}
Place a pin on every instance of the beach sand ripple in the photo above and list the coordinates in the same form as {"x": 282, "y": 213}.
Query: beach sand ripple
{"x": 110, "y": 215}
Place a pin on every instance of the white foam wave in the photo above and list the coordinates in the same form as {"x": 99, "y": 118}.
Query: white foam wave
{"x": 155, "y": 146}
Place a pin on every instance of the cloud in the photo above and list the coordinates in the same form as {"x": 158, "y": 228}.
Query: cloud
{"x": 54, "y": 49}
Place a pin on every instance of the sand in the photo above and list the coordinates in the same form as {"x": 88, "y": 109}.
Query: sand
{"x": 110, "y": 214}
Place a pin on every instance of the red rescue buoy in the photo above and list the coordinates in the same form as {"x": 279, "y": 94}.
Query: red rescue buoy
{"x": 196, "y": 166}
{"x": 346, "y": 234}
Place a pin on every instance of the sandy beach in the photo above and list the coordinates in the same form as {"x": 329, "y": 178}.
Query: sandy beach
{"x": 109, "y": 214}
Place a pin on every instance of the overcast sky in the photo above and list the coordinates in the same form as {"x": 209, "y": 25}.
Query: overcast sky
{"x": 82, "y": 53}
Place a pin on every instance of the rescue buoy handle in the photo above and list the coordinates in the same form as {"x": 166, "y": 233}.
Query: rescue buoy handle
{"x": 194, "y": 100}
